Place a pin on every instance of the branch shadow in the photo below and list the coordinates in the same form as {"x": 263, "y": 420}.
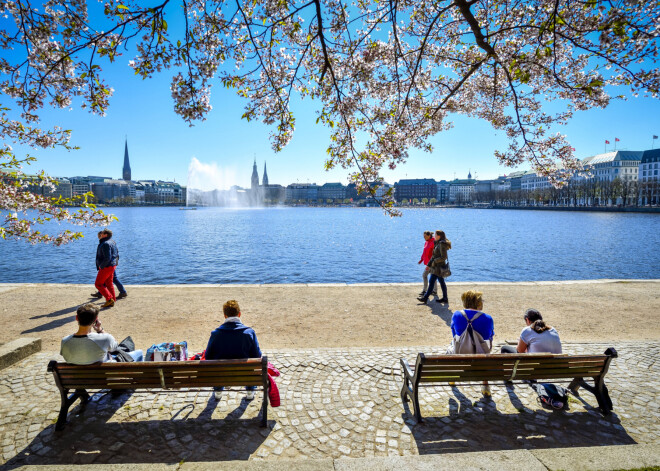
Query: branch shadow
{"x": 480, "y": 426}
{"x": 91, "y": 435}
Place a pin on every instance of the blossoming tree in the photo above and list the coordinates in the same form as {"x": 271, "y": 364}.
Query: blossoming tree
{"x": 386, "y": 75}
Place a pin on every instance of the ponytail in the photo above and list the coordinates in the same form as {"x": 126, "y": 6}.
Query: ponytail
{"x": 539, "y": 326}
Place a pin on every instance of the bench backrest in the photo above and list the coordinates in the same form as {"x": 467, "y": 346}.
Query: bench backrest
{"x": 445, "y": 368}
{"x": 163, "y": 375}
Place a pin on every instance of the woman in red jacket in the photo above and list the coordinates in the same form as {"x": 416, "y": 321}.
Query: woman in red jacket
{"x": 426, "y": 257}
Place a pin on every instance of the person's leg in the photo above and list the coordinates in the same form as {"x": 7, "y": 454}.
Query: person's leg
{"x": 431, "y": 286}
{"x": 508, "y": 349}
{"x": 102, "y": 276}
{"x": 443, "y": 286}
{"x": 137, "y": 355}
{"x": 425, "y": 278}
{"x": 117, "y": 283}
{"x": 109, "y": 286}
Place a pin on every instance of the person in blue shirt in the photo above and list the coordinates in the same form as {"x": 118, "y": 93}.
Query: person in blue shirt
{"x": 484, "y": 325}
{"x": 233, "y": 340}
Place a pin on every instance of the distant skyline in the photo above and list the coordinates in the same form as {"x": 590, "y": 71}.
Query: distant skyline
{"x": 162, "y": 147}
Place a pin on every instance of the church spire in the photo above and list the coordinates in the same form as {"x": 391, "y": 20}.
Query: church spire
{"x": 126, "y": 173}
{"x": 255, "y": 175}
{"x": 264, "y": 180}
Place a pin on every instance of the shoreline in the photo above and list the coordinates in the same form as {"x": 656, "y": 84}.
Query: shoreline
{"x": 331, "y": 315}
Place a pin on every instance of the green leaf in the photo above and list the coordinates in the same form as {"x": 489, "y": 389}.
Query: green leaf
{"x": 122, "y": 7}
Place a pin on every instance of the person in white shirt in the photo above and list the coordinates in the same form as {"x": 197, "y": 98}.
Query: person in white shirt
{"x": 537, "y": 337}
{"x": 91, "y": 344}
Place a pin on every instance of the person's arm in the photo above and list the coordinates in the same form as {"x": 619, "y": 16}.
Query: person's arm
{"x": 523, "y": 343}
{"x": 256, "y": 351}
{"x": 522, "y": 346}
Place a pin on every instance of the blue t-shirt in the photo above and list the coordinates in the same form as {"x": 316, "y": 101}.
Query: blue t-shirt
{"x": 484, "y": 324}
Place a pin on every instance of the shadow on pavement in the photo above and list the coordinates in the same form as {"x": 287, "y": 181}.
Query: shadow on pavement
{"x": 54, "y": 324}
{"x": 67, "y": 310}
{"x": 463, "y": 425}
{"x": 92, "y": 437}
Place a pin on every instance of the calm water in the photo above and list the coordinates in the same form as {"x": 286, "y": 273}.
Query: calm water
{"x": 310, "y": 245}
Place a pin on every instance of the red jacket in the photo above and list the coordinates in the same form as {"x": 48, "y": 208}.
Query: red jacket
{"x": 428, "y": 251}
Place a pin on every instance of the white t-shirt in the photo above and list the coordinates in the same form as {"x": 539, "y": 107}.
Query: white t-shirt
{"x": 88, "y": 349}
{"x": 545, "y": 342}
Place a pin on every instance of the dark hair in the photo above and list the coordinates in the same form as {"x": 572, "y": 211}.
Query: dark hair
{"x": 107, "y": 232}
{"x": 428, "y": 233}
{"x": 441, "y": 234}
{"x": 536, "y": 319}
{"x": 231, "y": 309}
{"x": 87, "y": 314}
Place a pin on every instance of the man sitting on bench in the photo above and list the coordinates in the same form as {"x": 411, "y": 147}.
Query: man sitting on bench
{"x": 233, "y": 340}
{"x": 86, "y": 347}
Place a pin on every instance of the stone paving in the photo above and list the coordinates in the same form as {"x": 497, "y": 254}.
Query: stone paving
{"x": 335, "y": 403}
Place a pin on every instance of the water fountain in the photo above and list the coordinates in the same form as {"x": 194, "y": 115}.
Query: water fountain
{"x": 210, "y": 185}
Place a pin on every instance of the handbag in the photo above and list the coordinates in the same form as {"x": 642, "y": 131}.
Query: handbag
{"x": 167, "y": 351}
{"x": 445, "y": 271}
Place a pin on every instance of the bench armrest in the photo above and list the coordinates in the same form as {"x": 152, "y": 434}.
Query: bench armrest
{"x": 407, "y": 371}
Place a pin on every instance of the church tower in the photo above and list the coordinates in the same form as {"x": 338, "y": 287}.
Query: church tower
{"x": 255, "y": 176}
{"x": 469, "y": 174}
{"x": 264, "y": 181}
{"x": 126, "y": 173}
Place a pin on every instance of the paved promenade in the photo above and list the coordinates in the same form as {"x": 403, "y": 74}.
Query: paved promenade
{"x": 336, "y": 403}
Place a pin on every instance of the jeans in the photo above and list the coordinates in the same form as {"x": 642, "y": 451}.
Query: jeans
{"x": 432, "y": 281}
{"x": 117, "y": 283}
{"x": 509, "y": 349}
{"x": 137, "y": 355}
{"x": 425, "y": 277}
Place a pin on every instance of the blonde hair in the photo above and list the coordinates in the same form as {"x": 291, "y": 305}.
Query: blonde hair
{"x": 231, "y": 308}
{"x": 472, "y": 300}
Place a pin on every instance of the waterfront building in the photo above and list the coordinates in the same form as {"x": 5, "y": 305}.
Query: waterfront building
{"x": 383, "y": 188}
{"x": 351, "y": 192}
{"x": 515, "y": 180}
{"x": 649, "y": 177}
{"x": 622, "y": 164}
{"x": 462, "y": 190}
{"x": 332, "y": 191}
{"x": 530, "y": 181}
{"x": 483, "y": 186}
{"x": 442, "y": 195}
{"x": 415, "y": 188}
{"x": 112, "y": 191}
{"x": 302, "y": 192}
{"x": 126, "y": 171}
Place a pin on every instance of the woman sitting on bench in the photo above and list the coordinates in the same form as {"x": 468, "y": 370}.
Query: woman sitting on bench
{"x": 537, "y": 337}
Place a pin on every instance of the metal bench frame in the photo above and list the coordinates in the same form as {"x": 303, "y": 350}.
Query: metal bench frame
{"x": 434, "y": 370}
{"x": 167, "y": 376}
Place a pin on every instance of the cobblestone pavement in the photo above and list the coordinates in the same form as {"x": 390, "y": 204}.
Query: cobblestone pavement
{"x": 335, "y": 403}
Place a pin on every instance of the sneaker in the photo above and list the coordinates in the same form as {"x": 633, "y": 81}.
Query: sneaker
{"x": 422, "y": 299}
{"x": 485, "y": 390}
{"x": 96, "y": 295}
{"x": 217, "y": 395}
{"x": 250, "y": 395}
{"x": 122, "y": 295}
{"x": 108, "y": 303}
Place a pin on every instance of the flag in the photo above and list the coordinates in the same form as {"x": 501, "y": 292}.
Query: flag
{"x": 606, "y": 141}
{"x": 573, "y": 149}
{"x": 616, "y": 139}
{"x": 655, "y": 137}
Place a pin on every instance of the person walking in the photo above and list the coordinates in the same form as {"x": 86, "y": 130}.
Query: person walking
{"x": 437, "y": 263}
{"x": 115, "y": 280}
{"x": 427, "y": 254}
{"x": 107, "y": 256}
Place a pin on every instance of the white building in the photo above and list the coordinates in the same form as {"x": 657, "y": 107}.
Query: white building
{"x": 623, "y": 164}
{"x": 530, "y": 181}
{"x": 461, "y": 191}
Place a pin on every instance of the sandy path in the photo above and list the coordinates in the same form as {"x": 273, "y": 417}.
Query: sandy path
{"x": 304, "y": 316}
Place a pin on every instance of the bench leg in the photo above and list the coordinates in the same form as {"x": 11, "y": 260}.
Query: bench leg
{"x": 264, "y": 409}
{"x": 405, "y": 390}
{"x": 600, "y": 391}
{"x": 66, "y": 402}
{"x": 418, "y": 412}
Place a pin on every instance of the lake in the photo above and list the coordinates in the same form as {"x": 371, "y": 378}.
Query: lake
{"x": 353, "y": 245}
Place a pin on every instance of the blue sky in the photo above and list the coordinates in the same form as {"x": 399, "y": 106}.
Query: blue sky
{"x": 161, "y": 145}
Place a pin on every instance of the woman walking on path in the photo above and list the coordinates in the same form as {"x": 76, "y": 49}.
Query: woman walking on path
{"x": 107, "y": 256}
{"x": 427, "y": 253}
{"x": 437, "y": 263}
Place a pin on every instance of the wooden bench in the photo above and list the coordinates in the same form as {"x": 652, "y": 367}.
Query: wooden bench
{"x": 167, "y": 375}
{"x": 431, "y": 370}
